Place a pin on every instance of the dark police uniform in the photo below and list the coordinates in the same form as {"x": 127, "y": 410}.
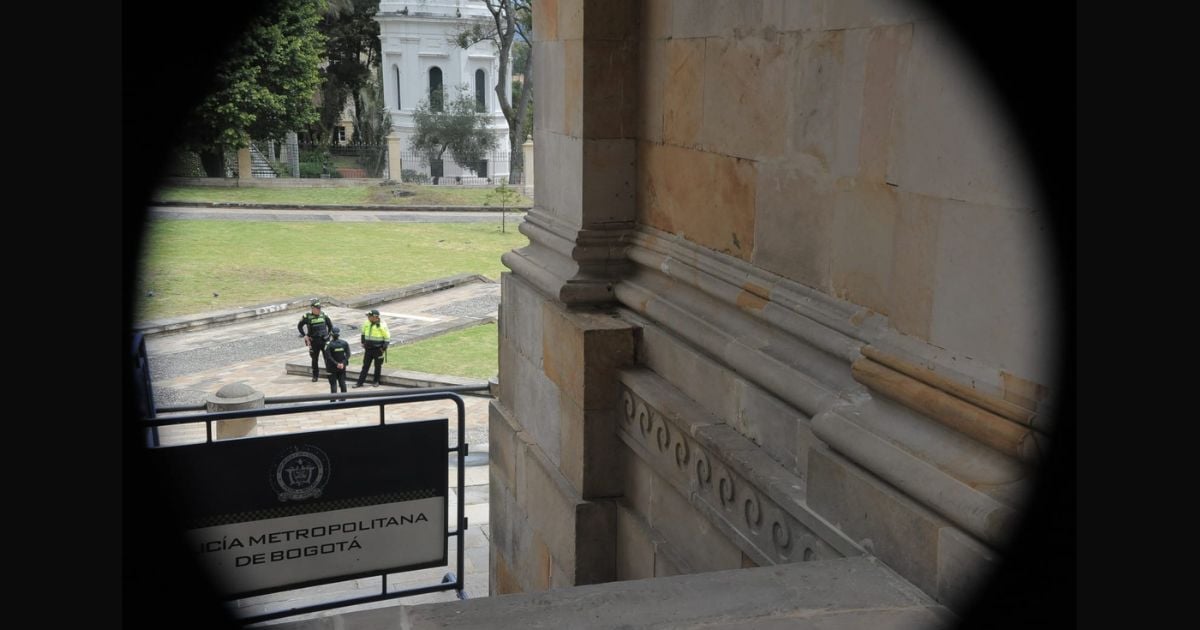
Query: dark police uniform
{"x": 318, "y": 331}
{"x": 337, "y": 351}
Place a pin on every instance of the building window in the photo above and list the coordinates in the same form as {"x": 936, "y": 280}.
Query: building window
{"x": 435, "y": 89}
{"x": 480, "y": 87}
{"x": 396, "y": 72}
{"x": 341, "y": 135}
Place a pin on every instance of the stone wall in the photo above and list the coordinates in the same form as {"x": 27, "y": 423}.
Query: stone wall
{"x": 850, "y": 147}
{"x": 807, "y": 253}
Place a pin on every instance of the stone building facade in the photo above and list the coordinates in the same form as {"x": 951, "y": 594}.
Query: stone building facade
{"x": 417, "y": 54}
{"x": 787, "y": 297}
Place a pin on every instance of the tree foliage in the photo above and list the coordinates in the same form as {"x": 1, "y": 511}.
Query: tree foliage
{"x": 264, "y": 86}
{"x": 457, "y": 128}
{"x": 512, "y": 22}
{"x": 372, "y": 123}
{"x": 353, "y": 53}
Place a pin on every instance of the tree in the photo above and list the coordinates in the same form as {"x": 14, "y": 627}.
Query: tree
{"x": 265, "y": 85}
{"x": 512, "y": 21}
{"x": 506, "y": 196}
{"x": 458, "y": 127}
{"x": 353, "y": 52}
{"x": 521, "y": 72}
{"x": 372, "y": 123}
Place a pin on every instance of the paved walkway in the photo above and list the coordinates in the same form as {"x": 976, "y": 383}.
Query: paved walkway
{"x": 409, "y": 318}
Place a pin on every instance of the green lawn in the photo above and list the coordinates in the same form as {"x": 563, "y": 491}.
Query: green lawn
{"x": 469, "y": 352}
{"x": 353, "y": 195}
{"x": 256, "y": 262}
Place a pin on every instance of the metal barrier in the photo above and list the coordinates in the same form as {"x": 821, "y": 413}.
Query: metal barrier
{"x": 275, "y": 400}
{"x": 453, "y": 581}
{"x": 142, "y": 387}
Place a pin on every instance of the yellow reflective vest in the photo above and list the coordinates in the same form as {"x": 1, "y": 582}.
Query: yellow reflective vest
{"x": 373, "y": 335}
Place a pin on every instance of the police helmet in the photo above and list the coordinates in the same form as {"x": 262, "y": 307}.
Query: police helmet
{"x": 373, "y": 313}
{"x": 336, "y": 331}
{"x": 315, "y": 304}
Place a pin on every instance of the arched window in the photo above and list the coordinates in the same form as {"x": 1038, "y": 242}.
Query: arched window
{"x": 435, "y": 89}
{"x": 396, "y": 72}
{"x": 480, "y": 91}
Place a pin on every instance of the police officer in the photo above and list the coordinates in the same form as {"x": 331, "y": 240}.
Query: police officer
{"x": 375, "y": 339}
{"x": 337, "y": 357}
{"x": 318, "y": 325}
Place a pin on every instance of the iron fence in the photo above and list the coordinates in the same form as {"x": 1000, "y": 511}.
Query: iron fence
{"x": 420, "y": 168}
{"x": 280, "y": 159}
{"x": 343, "y": 160}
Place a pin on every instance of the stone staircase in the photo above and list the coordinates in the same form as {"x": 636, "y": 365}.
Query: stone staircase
{"x": 260, "y": 166}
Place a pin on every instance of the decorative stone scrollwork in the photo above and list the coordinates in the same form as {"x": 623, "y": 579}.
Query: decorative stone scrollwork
{"x": 781, "y": 535}
{"x": 752, "y": 513}
{"x": 725, "y": 491}
{"x": 786, "y": 540}
{"x": 682, "y": 453}
{"x": 663, "y": 436}
{"x": 703, "y": 471}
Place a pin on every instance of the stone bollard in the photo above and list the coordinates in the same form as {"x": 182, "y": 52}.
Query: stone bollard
{"x": 234, "y": 397}
{"x": 527, "y": 153}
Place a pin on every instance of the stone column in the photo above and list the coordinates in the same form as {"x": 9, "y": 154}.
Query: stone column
{"x": 585, "y": 131}
{"x": 243, "y": 159}
{"x": 395, "y": 163}
{"x": 552, "y": 441}
{"x": 293, "y": 154}
{"x": 235, "y": 397}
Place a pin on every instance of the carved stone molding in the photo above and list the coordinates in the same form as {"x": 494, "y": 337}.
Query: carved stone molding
{"x": 970, "y": 415}
{"x": 572, "y": 265}
{"x": 721, "y": 487}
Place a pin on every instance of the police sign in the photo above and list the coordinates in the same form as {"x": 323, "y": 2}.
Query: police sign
{"x": 264, "y": 514}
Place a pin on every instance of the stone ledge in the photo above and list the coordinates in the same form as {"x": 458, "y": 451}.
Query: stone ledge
{"x": 830, "y": 594}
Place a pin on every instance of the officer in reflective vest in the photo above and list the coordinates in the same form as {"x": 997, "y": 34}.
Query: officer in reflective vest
{"x": 375, "y": 339}
{"x": 318, "y": 326}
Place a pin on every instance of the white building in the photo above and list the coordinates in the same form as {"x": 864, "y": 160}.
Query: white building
{"x": 418, "y": 54}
